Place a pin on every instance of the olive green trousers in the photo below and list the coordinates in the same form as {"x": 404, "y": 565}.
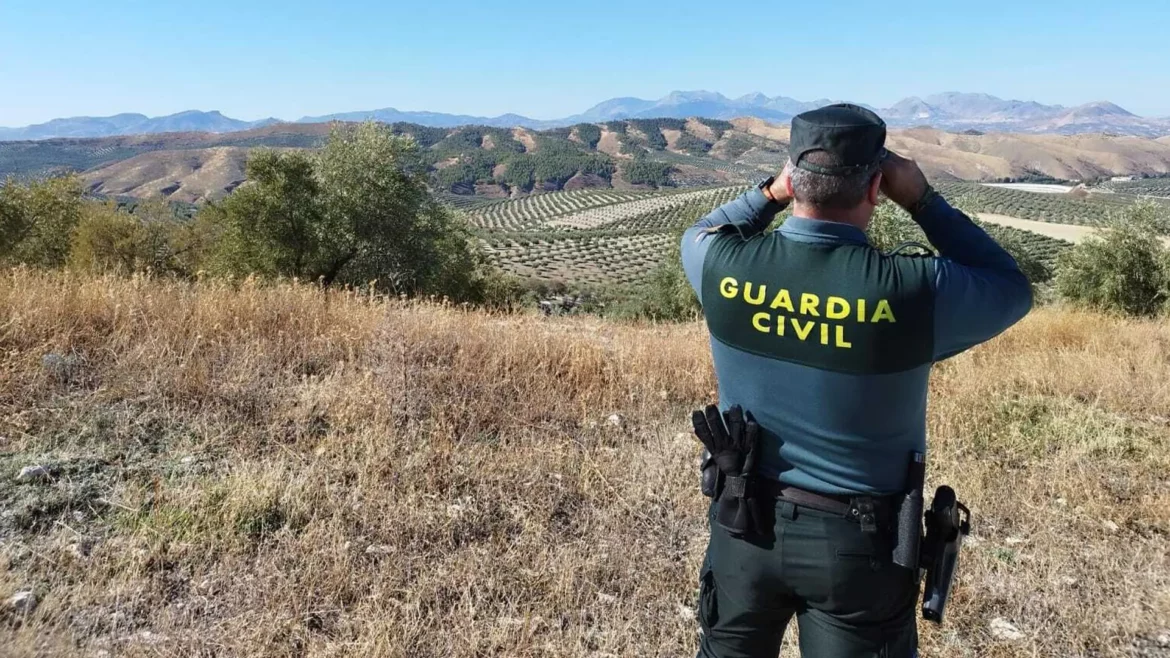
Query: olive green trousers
{"x": 848, "y": 597}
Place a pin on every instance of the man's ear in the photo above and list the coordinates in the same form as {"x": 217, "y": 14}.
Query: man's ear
{"x": 788, "y": 187}
{"x": 875, "y": 188}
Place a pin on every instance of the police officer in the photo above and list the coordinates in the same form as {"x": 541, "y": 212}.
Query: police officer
{"x": 828, "y": 344}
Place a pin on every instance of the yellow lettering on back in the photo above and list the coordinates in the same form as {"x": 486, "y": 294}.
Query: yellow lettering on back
{"x": 808, "y": 304}
{"x": 836, "y": 308}
{"x": 841, "y": 342}
{"x": 783, "y": 300}
{"x": 802, "y": 333}
{"x": 824, "y": 334}
{"x": 861, "y": 310}
{"x": 780, "y": 324}
{"x": 757, "y": 322}
{"x": 883, "y": 312}
{"x": 759, "y": 298}
{"x": 729, "y": 287}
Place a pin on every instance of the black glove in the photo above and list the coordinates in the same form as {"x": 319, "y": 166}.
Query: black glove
{"x": 733, "y": 448}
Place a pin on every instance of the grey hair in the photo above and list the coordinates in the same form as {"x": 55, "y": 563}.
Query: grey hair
{"x": 831, "y": 192}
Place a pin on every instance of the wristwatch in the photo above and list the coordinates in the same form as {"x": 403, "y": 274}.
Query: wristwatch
{"x": 765, "y": 187}
{"x": 928, "y": 196}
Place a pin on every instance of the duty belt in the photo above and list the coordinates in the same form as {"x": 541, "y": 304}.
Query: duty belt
{"x": 871, "y": 512}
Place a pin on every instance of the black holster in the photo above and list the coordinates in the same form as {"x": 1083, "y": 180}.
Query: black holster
{"x": 947, "y": 523}
{"x": 934, "y": 554}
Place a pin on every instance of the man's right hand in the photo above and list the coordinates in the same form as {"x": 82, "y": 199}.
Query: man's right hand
{"x": 903, "y": 181}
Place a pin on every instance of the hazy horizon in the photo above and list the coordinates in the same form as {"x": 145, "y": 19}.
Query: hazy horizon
{"x": 292, "y": 59}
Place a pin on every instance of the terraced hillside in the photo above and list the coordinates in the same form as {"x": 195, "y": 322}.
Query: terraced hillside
{"x": 591, "y": 238}
{"x": 1090, "y": 210}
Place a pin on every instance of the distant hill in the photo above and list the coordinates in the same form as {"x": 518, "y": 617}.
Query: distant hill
{"x": 949, "y": 111}
{"x": 492, "y": 162}
{"x": 132, "y": 124}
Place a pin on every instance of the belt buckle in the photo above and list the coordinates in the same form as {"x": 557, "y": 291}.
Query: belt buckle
{"x": 864, "y": 510}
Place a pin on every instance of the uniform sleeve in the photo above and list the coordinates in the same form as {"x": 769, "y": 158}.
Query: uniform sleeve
{"x": 980, "y": 290}
{"x": 749, "y": 214}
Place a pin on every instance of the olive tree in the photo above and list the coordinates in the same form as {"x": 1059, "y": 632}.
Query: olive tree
{"x": 357, "y": 211}
{"x": 1124, "y": 269}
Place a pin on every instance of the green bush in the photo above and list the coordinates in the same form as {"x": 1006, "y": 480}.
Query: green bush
{"x": 644, "y": 171}
{"x": 665, "y": 296}
{"x": 151, "y": 238}
{"x": 1126, "y": 269}
{"x": 37, "y": 219}
{"x": 589, "y": 134}
{"x": 693, "y": 145}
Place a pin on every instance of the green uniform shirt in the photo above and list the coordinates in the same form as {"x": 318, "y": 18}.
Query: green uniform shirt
{"x": 829, "y": 343}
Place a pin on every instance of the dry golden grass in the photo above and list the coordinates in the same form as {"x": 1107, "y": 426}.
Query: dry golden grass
{"x": 276, "y": 471}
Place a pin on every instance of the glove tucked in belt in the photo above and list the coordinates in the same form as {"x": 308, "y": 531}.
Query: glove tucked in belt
{"x": 731, "y": 439}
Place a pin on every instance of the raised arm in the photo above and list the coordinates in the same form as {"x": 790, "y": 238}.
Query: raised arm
{"x": 749, "y": 214}
{"x": 980, "y": 290}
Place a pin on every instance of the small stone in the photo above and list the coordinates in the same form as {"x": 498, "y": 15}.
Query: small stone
{"x": 150, "y": 637}
{"x": 616, "y": 421}
{"x": 35, "y": 473}
{"x": 686, "y": 612}
{"x": 1002, "y": 629}
{"x": 1062, "y": 501}
{"x": 23, "y": 602}
{"x": 61, "y": 367}
{"x": 606, "y": 598}
{"x": 379, "y": 549}
{"x": 1013, "y": 541}
{"x": 1163, "y": 639}
{"x": 1110, "y": 526}
{"x": 189, "y": 459}
{"x": 662, "y": 395}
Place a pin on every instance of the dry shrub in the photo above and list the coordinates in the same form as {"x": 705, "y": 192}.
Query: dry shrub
{"x": 280, "y": 471}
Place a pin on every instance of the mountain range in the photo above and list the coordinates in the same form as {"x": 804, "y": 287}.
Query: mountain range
{"x": 948, "y": 111}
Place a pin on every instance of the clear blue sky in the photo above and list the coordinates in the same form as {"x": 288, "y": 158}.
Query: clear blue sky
{"x": 254, "y": 58}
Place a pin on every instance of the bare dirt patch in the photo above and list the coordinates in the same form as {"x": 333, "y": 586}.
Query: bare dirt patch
{"x": 610, "y": 144}
{"x": 526, "y": 138}
{"x": 491, "y": 191}
{"x": 671, "y": 137}
{"x": 583, "y": 181}
{"x": 488, "y": 143}
{"x": 1066, "y": 232}
{"x": 700, "y": 130}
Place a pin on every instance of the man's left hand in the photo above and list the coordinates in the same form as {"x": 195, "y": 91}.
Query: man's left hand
{"x": 778, "y": 191}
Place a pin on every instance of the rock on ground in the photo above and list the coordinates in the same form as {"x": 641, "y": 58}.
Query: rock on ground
{"x": 23, "y": 602}
{"x": 33, "y": 473}
{"x": 1002, "y": 629}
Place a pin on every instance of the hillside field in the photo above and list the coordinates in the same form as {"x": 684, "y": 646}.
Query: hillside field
{"x": 280, "y": 471}
{"x": 596, "y": 238}
{"x": 636, "y": 154}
